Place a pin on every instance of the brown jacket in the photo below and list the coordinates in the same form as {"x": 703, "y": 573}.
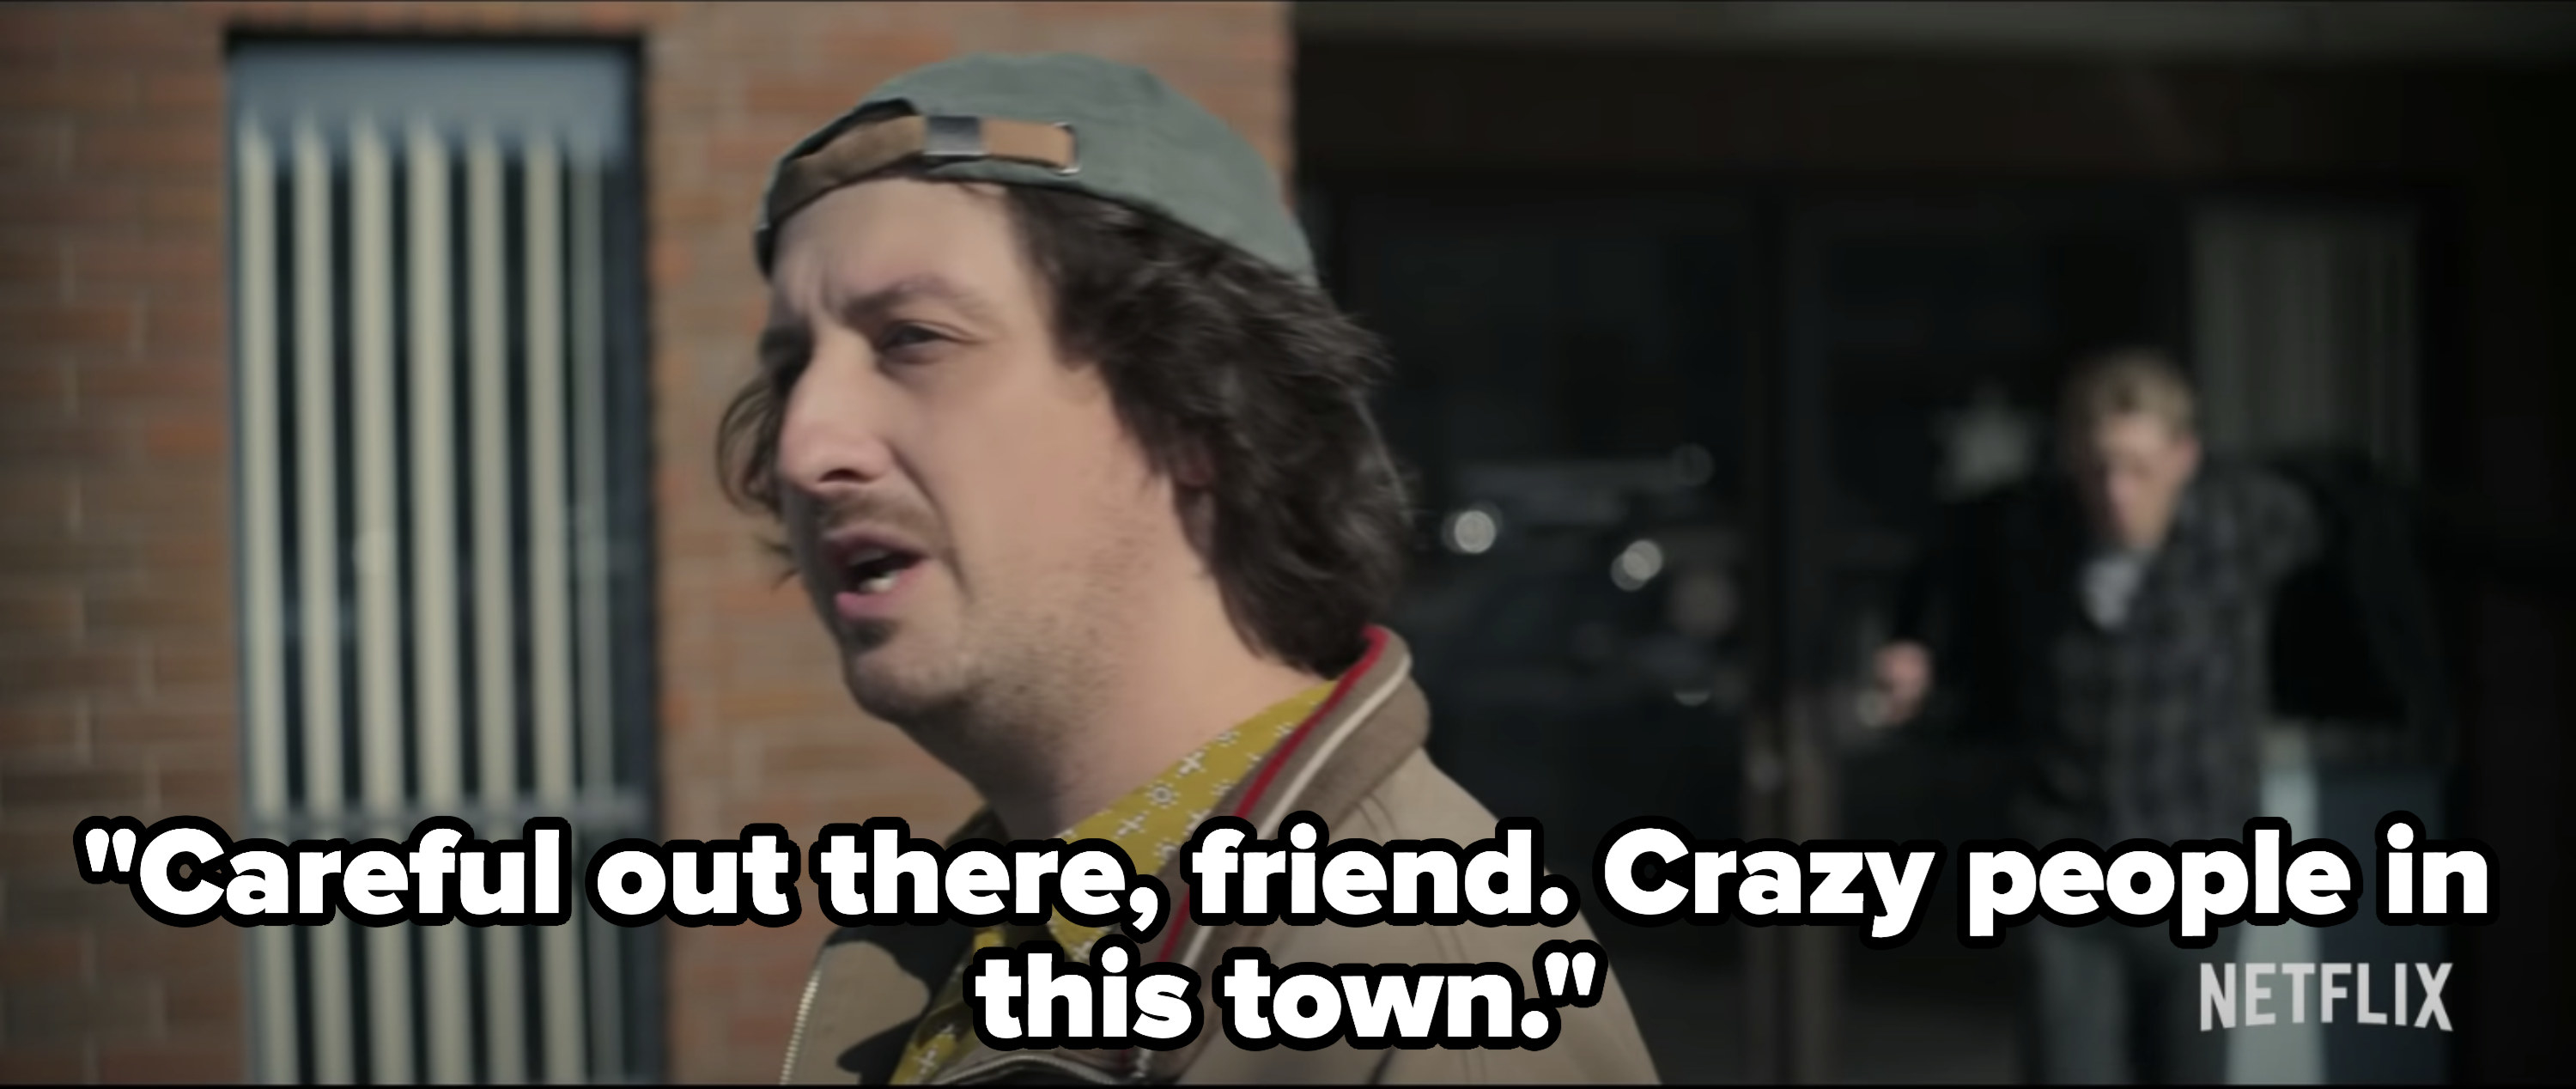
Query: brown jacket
{"x": 1359, "y": 766}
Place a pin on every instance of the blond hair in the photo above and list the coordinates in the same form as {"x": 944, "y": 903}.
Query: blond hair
{"x": 2125, "y": 381}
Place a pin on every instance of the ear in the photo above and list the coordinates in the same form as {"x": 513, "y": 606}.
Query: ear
{"x": 1193, "y": 475}
{"x": 1193, "y": 468}
{"x": 1196, "y": 508}
{"x": 2187, "y": 454}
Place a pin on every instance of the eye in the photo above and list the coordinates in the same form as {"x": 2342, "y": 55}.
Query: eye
{"x": 908, "y": 340}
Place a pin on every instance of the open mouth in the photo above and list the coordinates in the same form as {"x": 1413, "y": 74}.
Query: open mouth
{"x": 875, "y": 569}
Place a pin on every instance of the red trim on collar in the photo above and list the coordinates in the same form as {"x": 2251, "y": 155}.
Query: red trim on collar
{"x": 1288, "y": 748}
{"x": 1270, "y": 769}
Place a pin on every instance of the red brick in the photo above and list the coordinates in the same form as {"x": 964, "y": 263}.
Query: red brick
{"x": 55, "y": 201}
{"x": 187, "y": 436}
{"x": 35, "y": 494}
{"x": 46, "y": 961}
{"x": 186, "y": 953}
{"x": 37, "y": 148}
{"x": 201, "y": 1056}
{"x": 103, "y": 264}
{"x": 818, "y": 97}
{"x": 183, "y": 89}
{"x": 197, "y": 972}
{"x": 146, "y": 504}
{"x": 620, "y": 16}
{"x": 69, "y": 670}
{"x": 48, "y": 519}
{"x": 156, "y": 148}
{"x": 48, "y": 614}
{"x": 207, "y": 786}
{"x": 147, "y": 35}
{"x": 34, "y": 387}
{"x": 39, "y": 726}
{"x": 178, "y": 662}
{"x": 118, "y": 722}
{"x": 37, "y": 846}
{"x": 36, "y": 29}
{"x": 258, "y": 16}
{"x": 49, "y": 902}
{"x": 190, "y": 204}
{"x": 28, "y": 791}
{"x": 110, "y": 1009}
{"x": 37, "y": 436}
{"x": 167, "y": 606}
{"x": 185, "y": 555}
{"x": 91, "y": 326}
{"x": 68, "y": 88}
{"x": 32, "y": 270}
{"x": 205, "y": 1001}
{"x": 44, "y": 1062}
{"x": 192, "y": 374}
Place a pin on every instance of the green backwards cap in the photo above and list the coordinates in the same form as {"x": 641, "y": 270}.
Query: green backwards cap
{"x": 1062, "y": 120}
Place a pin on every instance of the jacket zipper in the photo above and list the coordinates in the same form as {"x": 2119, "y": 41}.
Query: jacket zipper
{"x": 1010, "y": 1063}
{"x": 804, "y": 1009}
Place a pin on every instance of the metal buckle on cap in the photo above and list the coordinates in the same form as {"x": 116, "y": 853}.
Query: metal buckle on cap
{"x": 1074, "y": 139}
{"x": 952, "y": 139}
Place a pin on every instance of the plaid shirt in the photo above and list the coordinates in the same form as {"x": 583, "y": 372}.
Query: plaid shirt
{"x": 2146, "y": 729}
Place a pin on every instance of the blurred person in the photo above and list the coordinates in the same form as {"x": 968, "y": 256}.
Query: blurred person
{"x": 2112, "y": 622}
{"x": 1074, "y": 462}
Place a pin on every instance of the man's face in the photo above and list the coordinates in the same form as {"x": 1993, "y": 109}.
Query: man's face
{"x": 961, "y": 501}
{"x": 2132, "y": 469}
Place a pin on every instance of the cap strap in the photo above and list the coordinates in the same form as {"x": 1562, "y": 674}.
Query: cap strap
{"x": 868, "y": 148}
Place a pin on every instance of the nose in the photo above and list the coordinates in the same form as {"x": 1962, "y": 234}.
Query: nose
{"x": 830, "y": 433}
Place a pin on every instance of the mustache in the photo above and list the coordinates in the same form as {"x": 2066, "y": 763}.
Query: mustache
{"x": 878, "y": 510}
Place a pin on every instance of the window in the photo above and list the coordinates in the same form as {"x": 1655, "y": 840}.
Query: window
{"x": 2306, "y": 329}
{"x": 439, "y": 410}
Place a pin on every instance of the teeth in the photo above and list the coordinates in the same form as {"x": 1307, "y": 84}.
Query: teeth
{"x": 877, "y": 585}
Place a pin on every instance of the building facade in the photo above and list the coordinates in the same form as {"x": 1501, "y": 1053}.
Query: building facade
{"x": 123, "y": 586}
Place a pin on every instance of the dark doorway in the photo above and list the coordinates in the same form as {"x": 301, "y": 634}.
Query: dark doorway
{"x": 1570, "y": 390}
{"x": 1917, "y": 232}
{"x": 1691, "y": 436}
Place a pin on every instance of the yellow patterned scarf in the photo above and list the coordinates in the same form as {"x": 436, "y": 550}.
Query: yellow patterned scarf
{"x": 1149, "y": 823}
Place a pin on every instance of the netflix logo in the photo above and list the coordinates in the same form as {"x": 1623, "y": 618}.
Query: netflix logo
{"x": 2268, "y": 994}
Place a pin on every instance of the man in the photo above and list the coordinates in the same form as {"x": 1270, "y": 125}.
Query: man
{"x": 1075, "y": 463}
{"x": 2117, "y": 628}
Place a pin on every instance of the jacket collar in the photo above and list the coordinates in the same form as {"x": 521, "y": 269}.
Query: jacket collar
{"x": 1375, "y": 719}
{"x": 1372, "y": 721}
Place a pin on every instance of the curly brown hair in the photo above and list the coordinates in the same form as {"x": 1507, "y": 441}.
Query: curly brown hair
{"x": 1222, "y": 362}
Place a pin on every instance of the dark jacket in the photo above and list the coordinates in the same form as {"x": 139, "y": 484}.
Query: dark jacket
{"x": 2354, "y": 643}
{"x": 2147, "y": 729}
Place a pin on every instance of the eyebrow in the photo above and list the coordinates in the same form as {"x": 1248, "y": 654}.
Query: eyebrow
{"x": 784, "y": 338}
{"x": 922, "y": 288}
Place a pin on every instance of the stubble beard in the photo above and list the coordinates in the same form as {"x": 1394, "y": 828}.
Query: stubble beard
{"x": 1005, "y": 694}
{"x": 999, "y": 703}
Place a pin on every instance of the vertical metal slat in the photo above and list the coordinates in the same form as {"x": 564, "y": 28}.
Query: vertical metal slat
{"x": 272, "y": 978}
{"x": 317, "y": 515}
{"x": 590, "y": 489}
{"x": 356, "y": 679}
{"x": 496, "y": 713}
{"x": 549, "y": 577}
{"x": 379, "y": 588}
{"x": 448, "y": 1011}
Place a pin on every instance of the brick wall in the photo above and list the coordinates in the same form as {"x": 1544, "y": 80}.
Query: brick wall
{"x": 117, "y": 649}
{"x": 116, "y": 638}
